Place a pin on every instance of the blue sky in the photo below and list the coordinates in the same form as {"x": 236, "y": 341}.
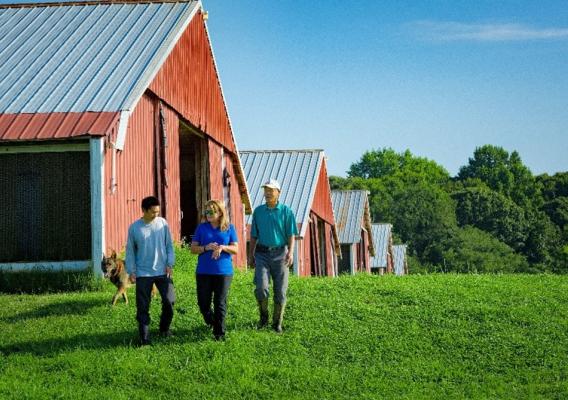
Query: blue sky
{"x": 436, "y": 77}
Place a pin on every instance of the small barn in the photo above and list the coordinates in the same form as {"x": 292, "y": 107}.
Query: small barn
{"x": 305, "y": 189}
{"x": 382, "y": 261}
{"x": 102, "y": 104}
{"x": 400, "y": 259}
{"x": 353, "y": 221}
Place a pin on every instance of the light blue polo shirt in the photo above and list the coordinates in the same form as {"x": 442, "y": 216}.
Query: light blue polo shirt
{"x": 273, "y": 226}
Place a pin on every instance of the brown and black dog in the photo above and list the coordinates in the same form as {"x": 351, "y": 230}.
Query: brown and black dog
{"x": 115, "y": 270}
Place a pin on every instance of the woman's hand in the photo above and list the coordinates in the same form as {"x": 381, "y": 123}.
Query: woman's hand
{"x": 212, "y": 246}
{"x": 217, "y": 252}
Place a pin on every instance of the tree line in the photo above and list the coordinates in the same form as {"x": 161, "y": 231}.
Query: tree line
{"x": 493, "y": 216}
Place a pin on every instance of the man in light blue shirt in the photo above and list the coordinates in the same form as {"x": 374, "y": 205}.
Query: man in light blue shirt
{"x": 273, "y": 234}
{"x": 149, "y": 261}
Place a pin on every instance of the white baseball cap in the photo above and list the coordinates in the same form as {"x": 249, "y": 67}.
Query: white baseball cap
{"x": 271, "y": 183}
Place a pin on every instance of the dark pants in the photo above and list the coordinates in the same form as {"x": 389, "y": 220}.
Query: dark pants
{"x": 214, "y": 287}
{"x": 165, "y": 286}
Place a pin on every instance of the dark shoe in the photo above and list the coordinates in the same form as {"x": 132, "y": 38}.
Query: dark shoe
{"x": 144, "y": 331}
{"x": 277, "y": 317}
{"x": 263, "y": 311}
{"x": 219, "y": 338}
{"x": 166, "y": 334}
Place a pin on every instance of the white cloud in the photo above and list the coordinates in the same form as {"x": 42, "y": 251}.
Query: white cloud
{"x": 457, "y": 31}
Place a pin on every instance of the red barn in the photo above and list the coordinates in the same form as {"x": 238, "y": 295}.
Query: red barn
{"x": 102, "y": 104}
{"x": 305, "y": 189}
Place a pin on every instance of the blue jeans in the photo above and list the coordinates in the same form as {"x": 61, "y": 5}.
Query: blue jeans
{"x": 271, "y": 264}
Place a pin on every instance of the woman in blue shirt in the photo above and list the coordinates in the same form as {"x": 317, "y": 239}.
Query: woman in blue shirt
{"x": 215, "y": 241}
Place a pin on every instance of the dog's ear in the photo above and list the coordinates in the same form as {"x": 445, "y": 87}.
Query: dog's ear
{"x": 113, "y": 255}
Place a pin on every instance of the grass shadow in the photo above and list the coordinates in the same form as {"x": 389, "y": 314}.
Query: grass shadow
{"x": 71, "y": 307}
{"x": 125, "y": 338}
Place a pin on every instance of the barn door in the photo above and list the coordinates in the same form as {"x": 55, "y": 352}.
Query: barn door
{"x": 194, "y": 178}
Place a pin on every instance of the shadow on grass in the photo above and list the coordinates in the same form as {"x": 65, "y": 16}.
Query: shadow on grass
{"x": 71, "y": 307}
{"x": 103, "y": 341}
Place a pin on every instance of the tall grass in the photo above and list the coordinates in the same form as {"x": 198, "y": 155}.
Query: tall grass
{"x": 431, "y": 336}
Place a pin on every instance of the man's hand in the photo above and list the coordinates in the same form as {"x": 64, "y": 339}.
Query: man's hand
{"x": 289, "y": 258}
{"x": 169, "y": 272}
{"x": 132, "y": 278}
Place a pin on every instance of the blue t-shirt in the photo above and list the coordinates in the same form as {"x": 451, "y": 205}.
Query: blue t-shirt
{"x": 205, "y": 234}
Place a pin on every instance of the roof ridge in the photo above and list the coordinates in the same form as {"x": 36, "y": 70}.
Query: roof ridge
{"x": 89, "y": 3}
{"x": 281, "y": 151}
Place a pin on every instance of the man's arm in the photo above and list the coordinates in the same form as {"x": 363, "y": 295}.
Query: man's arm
{"x": 290, "y": 254}
{"x": 252, "y": 246}
{"x": 130, "y": 259}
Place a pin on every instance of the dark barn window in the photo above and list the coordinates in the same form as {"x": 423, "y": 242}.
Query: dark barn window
{"x": 45, "y": 200}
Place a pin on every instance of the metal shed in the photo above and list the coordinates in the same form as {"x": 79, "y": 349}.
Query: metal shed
{"x": 382, "y": 261}
{"x": 102, "y": 104}
{"x": 305, "y": 189}
{"x": 400, "y": 260}
{"x": 353, "y": 221}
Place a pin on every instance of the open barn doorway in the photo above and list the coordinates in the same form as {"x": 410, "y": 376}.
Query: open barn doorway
{"x": 194, "y": 178}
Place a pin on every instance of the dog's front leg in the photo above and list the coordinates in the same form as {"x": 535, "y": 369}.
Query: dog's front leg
{"x": 115, "y": 297}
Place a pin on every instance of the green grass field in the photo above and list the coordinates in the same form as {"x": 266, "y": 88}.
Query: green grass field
{"x": 430, "y": 336}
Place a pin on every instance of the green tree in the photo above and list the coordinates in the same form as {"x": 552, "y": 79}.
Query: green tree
{"x": 473, "y": 250}
{"x": 384, "y": 163}
{"x": 503, "y": 173}
{"x": 553, "y": 186}
{"x": 494, "y": 213}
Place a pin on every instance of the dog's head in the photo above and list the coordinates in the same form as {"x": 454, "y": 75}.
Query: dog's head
{"x": 109, "y": 265}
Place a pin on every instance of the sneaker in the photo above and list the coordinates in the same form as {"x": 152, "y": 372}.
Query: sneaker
{"x": 166, "y": 334}
{"x": 145, "y": 342}
{"x": 220, "y": 338}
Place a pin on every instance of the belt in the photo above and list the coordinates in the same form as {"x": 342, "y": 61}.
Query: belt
{"x": 263, "y": 249}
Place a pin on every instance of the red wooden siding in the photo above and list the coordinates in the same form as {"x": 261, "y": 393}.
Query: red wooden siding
{"x": 237, "y": 211}
{"x": 173, "y": 207}
{"x": 134, "y": 175}
{"x": 322, "y": 205}
{"x": 216, "y": 170}
{"x": 188, "y": 81}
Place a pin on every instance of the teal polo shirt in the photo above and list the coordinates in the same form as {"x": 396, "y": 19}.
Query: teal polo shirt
{"x": 273, "y": 226}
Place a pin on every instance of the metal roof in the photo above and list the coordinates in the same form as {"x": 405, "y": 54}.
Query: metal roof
{"x": 399, "y": 255}
{"x": 297, "y": 171}
{"x": 349, "y": 210}
{"x": 81, "y": 58}
{"x": 381, "y": 239}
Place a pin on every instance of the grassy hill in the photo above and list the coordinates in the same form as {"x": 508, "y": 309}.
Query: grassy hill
{"x": 432, "y": 336}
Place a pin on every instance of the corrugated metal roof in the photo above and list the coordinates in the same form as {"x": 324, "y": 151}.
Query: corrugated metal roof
{"x": 349, "y": 209}
{"x": 297, "y": 172}
{"x": 399, "y": 255}
{"x": 381, "y": 240}
{"x": 80, "y": 58}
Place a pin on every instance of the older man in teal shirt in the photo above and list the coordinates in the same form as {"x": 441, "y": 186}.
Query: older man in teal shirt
{"x": 273, "y": 233}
